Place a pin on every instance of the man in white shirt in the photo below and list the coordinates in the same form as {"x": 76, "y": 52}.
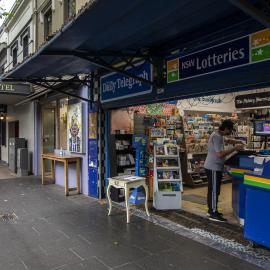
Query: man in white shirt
{"x": 214, "y": 165}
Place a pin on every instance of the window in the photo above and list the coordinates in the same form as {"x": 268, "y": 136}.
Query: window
{"x": 15, "y": 55}
{"x": 2, "y": 69}
{"x": 25, "y": 44}
{"x": 70, "y": 9}
{"x": 48, "y": 23}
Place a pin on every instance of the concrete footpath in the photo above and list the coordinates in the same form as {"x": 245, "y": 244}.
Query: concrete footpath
{"x": 40, "y": 229}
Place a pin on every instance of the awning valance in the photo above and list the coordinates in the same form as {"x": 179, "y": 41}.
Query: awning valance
{"x": 106, "y": 31}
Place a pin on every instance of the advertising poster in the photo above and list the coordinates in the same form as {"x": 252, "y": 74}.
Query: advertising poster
{"x": 93, "y": 125}
{"x": 74, "y": 128}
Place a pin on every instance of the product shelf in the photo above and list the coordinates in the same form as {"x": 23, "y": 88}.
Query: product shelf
{"x": 167, "y": 168}
{"x": 166, "y": 156}
{"x": 169, "y": 180}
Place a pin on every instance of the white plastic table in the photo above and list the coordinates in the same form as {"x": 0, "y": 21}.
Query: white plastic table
{"x": 127, "y": 182}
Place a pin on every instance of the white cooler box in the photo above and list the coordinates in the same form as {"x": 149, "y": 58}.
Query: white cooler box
{"x": 167, "y": 200}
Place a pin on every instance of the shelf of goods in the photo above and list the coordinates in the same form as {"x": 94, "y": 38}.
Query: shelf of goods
{"x": 170, "y": 127}
{"x": 198, "y": 126}
{"x": 167, "y": 177}
{"x": 122, "y": 160}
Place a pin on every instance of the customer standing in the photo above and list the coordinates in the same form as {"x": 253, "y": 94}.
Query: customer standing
{"x": 214, "y": 165}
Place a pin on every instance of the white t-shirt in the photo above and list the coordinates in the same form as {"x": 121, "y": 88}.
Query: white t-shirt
{"x": 215, "y": 144}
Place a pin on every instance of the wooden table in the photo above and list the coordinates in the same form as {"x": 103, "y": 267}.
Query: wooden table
{"x": 66, "y": 159}
{"x": 127, "y": 184}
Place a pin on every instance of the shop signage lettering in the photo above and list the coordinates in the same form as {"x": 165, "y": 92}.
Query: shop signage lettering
{"x": 6, "y": 87}
{"x": 208, "y": 100}
{"x": 243, "y": 51}
{"x": 19, "y": 89}
{"x": 116, "y": 86}
{"x": 252, "y": 100}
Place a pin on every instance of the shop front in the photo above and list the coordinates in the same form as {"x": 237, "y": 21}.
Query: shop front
{"x": 166, "y": 142}
{"x": 16, "y": 126}
{"x": 155, "y": 59}
{"x": 62, "y": 132}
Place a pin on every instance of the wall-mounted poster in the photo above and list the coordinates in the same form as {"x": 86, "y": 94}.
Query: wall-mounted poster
{"x": 92, "y": 125}
{"x": 74, "y": 126}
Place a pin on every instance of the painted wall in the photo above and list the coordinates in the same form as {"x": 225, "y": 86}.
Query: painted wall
{"x": 25, "y": 114}
{"x": 217, "y": 103}
{"x": 122, "y": 120}
{"x": 58, "y": 8}
{"x": 80, "y": 4}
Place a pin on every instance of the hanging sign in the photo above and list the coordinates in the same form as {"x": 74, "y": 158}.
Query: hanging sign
{"x": 239, "y": 52}
{"x": 252, "y": 100}
{"x": 116, "y": 86}
{"x": 17, "y": 89}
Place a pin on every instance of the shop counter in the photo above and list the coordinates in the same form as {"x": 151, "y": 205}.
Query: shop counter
{"x": 238, "y": 193}
{"x": 257, "y": 215}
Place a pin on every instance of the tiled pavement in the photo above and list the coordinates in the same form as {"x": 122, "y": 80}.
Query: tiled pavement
{"x": 51, "y": 231}
{"x": 4, "y": 171}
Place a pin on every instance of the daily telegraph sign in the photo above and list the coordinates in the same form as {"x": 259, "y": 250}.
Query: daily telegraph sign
{"x": 239, "y": 52}
{"x": 116, "y": 86}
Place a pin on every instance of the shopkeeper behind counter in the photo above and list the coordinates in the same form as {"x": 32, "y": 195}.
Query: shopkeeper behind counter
{"x": 214, "y": 165}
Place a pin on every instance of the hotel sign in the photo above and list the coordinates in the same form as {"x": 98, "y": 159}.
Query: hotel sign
{"x": 243, "y": 51}
{"x": 16, "y": 89}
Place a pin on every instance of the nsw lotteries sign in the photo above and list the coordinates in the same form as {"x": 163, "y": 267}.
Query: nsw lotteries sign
{"x": 239, "y": 52}
{"x": 116, "y": 86}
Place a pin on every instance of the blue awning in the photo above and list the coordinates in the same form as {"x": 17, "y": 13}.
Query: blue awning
{"x": 105, "y": 30}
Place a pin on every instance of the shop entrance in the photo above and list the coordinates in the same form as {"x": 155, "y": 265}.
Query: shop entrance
{"x": 13, "y": 129}
{"x": 48, "y": 132}
{"x": 136, "y": 131}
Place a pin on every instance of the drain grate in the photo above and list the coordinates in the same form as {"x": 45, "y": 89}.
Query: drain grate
{"x": 7, "y": 217}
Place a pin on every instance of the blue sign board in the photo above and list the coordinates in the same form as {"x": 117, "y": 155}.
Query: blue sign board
{"x": 116, "y": 86}
{"x": 224, "y": 56}
{"x": 93, "y": 168}
{"x": 139, "y": 141}
{"x": 93, "y": 153}
{"x": 221, "y": 57}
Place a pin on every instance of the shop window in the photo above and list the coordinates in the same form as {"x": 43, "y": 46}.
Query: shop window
{"x": 63, "y": 105}
{"x": 14, "y": 53}
{"x": 25, "y": 44}
{"x": 47, "y": 23}
{"x": 2, "y": 69}
{"x": 70, "y": 9}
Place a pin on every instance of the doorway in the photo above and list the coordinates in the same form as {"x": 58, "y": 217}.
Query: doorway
{"x": 48, "y": 132}
{"x": 13, "y": 129}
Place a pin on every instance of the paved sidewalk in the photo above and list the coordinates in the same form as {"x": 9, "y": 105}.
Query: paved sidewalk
{"x": 49, "y": 231}
{"x": 4, "y": 171}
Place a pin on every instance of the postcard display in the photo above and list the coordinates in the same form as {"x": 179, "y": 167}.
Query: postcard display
{"x": 167, "y": 175}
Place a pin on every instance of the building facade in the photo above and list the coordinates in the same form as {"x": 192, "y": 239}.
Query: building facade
{"x": 41, "y": 121}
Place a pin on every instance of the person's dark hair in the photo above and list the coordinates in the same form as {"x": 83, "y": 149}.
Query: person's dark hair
{"x": 226, "y": 124}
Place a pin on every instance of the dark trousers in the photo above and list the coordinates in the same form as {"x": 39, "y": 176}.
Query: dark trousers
{"x": 214, "y": 182}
